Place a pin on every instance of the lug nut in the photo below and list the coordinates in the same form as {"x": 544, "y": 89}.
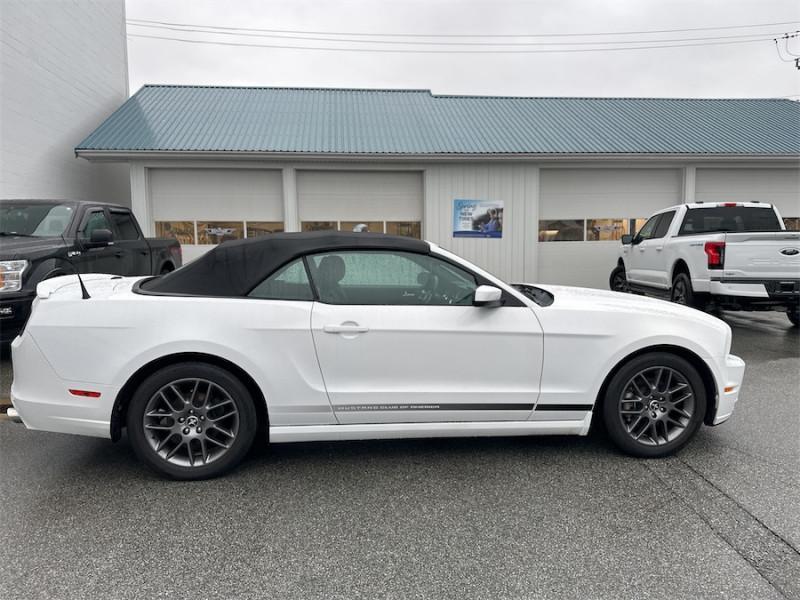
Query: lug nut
{"x": 663, "y": 409}
{"x": 181, "y": 419}
{"x": 185, "y": 431}
{"x": 199, "y": 430}
{"x": 202, "y": 418}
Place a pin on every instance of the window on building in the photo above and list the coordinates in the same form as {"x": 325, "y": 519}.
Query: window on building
{"x": 792, "y": 223}
{"x": 405, "y": 228}
{"x": 603, "y": 230}
{"x": 389, "y": 278}
{"x": 561, "y": 230}
{"x": 216, "y": 232}
{"x": 319, "y": 225}
{"x": 287, "y": 283}
{"x": 259, "y": 228}
{"x": 183, "y": 231}
{"x": 125, "y": 227}
{"x": 372, "y": 226}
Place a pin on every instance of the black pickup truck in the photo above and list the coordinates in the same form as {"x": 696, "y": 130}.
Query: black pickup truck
{"x": 40, "y": 239}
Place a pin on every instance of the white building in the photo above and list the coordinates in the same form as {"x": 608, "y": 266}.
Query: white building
{"x": 63, "y": 69}
{"x": 566, "y": 177}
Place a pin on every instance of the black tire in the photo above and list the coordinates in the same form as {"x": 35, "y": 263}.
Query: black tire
{"x": 623, "y": 427}
{"x": 617, "y": 281}
{"x": 166, "y": 269}
{"x": 682, "y": 292}
{"x": 228, "y": 391}
{"x": 794, "y": 316}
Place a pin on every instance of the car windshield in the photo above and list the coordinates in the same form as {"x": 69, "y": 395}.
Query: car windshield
{"x": 35, "y": 219}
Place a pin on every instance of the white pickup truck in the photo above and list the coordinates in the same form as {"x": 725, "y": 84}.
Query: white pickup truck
{"x": 727, "y": 255}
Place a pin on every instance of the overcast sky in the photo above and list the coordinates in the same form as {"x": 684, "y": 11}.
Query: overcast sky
{"x": 737, "y": 70}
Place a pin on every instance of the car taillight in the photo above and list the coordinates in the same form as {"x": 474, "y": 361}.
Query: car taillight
{"x": 715, "y": 251}
{"x": 729, "y": 204}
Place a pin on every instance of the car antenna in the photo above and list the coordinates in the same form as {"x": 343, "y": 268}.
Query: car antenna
{"x": 84, "y": 292}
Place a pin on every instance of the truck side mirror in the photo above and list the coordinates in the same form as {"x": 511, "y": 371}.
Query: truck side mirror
{"x": 627, "y": 239}
{"x": 99, "y": 238}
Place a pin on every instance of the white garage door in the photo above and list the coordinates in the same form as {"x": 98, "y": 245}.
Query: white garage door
{"x": 584, "y": 212}
{"x": 385, "y": 201}
{"x": 202, "y": 207}
{"x": 780, "y": 187}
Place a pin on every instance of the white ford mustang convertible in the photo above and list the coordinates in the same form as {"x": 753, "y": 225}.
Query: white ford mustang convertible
{"x": 343, "y": 336}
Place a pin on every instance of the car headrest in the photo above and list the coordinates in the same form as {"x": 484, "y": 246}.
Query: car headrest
{"x": 331, "y": 269}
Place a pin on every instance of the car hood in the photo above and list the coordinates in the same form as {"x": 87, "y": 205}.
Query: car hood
{"x": 594, "y": 300}
{"x": 31, "y": 248}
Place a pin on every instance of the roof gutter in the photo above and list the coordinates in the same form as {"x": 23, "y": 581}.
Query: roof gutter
{"x": 124, "y": 155}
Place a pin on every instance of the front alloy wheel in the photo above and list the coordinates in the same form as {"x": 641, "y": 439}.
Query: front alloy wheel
{"x": 191, "y": 421}
{"x": 654, "y": 404}
{"x": 618, "y": 282}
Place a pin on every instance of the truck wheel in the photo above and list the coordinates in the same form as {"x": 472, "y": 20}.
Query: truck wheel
{"x": 682, "y": 292}
{"x": 794, "y": 315}
{"x": 617, "y": 281}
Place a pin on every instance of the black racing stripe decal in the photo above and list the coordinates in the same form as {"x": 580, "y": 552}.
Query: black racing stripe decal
{"x": 563, "y": 407}
{"x": 396, "y": 407}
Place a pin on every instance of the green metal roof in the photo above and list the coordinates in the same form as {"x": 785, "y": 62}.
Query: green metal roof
{"x": 167, "y": 118}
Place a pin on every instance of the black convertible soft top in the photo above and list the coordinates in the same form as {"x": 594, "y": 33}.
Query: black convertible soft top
{"x": 234, "y": 268}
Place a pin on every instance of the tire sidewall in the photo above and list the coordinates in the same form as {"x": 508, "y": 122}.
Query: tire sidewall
{"x": 687, "y": 284}
{"x": 613, "y": 422}
{"x": 619, "y": 270}
{"x": 234, "y": 387}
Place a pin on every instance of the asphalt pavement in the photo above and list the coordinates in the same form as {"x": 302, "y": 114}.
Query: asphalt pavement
{"x": 487, "y": 518}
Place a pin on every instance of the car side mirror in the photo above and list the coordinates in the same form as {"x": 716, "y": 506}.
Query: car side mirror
{"x": 99, "y": 238}
{"x": 627, "y": 239}
{"x": 487, "y": 296}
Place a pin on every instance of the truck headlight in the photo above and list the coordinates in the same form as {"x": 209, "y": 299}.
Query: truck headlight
{"x": 11, "y": 275}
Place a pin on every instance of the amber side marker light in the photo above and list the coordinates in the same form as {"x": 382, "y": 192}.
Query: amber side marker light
{"x": 730, "y": 388}
{"x": 85, "y": 393}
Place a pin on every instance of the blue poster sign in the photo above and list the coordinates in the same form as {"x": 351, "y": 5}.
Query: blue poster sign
{"x": 478, "y": 218}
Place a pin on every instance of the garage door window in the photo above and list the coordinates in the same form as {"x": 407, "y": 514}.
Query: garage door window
{"x": 372, "y": 226}
{"x": 259, "y": 228}
{"x": 389, "y": 278}
{"x": 412, "y": 229}
{"x": 792, "y": 223}
{"x": 287, "y": 283}
{"x": 561, "y": 230}
{"x": 183, "y": 231}
{"x": 216, "y": 232}
{"x": 606, "y": 230}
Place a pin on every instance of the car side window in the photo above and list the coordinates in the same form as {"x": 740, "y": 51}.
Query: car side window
{"x": 95, "y": 220}
{"x": 290, "y": 282}
{"x": 378, "y": 277}
{"x": 648, "y": 229}
{"x": 663, "y": 224}
{"x": 125, "y": 227}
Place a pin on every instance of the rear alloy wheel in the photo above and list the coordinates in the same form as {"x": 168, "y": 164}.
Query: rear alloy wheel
{"x": 682, "y": 292}
{"x": 654, "y": 405}
{"x": 191, "y": 421}
{"x": 618, "y": 282}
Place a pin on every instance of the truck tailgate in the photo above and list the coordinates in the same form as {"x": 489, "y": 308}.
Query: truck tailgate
{"x": 762, "y": 255}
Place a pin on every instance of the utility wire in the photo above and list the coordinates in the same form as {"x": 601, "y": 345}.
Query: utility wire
{"x": 449, "y": 51}
{"x": 464, "y": 35}
{"x": 420, "y": 43}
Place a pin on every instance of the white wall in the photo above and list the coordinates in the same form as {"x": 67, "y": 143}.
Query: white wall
{"x": 597, "y": 193}
{"x": 516, "y": 185}
{"x": 780, "y": 187}
{"x": 63, "y": 69}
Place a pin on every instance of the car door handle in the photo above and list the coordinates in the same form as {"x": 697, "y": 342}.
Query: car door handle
{"x": 659, "y": 248}
{"x": 345, "y": 329}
